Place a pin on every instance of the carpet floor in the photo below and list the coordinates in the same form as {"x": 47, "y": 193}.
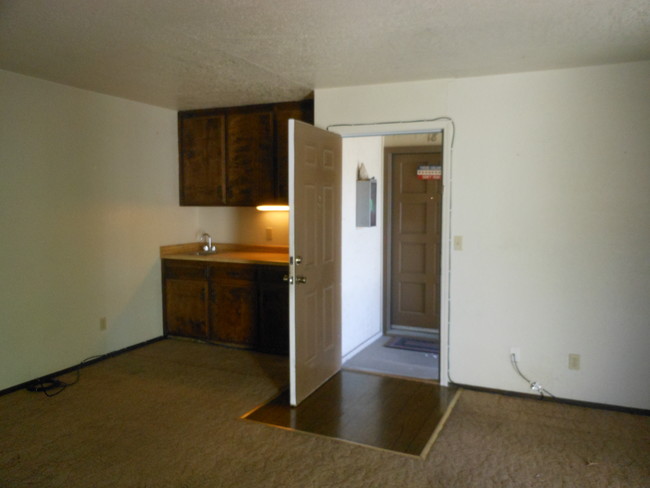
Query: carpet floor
{"x": 168, "y": 415}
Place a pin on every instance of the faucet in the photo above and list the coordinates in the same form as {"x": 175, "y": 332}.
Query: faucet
{"x": 209, "y": 247}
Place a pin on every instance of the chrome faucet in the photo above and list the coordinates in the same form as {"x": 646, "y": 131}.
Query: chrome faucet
{"x": 209, "y": 247}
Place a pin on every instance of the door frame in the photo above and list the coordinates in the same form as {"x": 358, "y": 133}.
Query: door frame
{"x": 387, "y": 244}
{"x": 446, "y": 126}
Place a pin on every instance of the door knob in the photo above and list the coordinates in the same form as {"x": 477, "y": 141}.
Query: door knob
{"x": 301, "y": 279}
{"x": 288, "y": 279}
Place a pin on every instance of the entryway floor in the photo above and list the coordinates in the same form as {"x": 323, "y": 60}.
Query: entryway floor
{"x": 382, "y": 412}
{"x": 394, "y": 362}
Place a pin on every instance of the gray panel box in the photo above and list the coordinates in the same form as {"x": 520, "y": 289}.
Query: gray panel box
{"x": 367, "y": 203}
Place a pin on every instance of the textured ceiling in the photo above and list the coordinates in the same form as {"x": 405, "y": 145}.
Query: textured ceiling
{"x": 208, "y": 53}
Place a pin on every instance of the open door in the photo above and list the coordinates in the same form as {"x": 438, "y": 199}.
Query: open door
{"x": 315, "y": 258}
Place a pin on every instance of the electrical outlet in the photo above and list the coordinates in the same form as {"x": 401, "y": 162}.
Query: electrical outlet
{"x": 517, "y": 352}
{"x": 102, "y": 323}
{"x": 574, "y": 361}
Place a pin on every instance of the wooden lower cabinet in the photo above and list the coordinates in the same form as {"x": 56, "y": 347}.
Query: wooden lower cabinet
{"x": 185, "y": 295}
{"x": 246, "y": 305}
{"x": 233, "y": 304}
{"x": 273, "y": 310}
{"x": 186, "y": 308}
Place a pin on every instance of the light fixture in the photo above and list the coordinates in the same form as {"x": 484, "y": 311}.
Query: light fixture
{"x": 273, "y": 208}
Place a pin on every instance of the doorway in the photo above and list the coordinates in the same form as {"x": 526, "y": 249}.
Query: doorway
{"x": 419, "y": 297}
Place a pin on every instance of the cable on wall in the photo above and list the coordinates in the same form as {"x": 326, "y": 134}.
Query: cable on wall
{"x": 534, "y": 385}
{"x": 437, "y": 119}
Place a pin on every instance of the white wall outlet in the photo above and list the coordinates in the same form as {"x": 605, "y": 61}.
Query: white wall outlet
{"x": 517, "y": 353}
{"x": 458, "y": 243}
{"x": 574, "y": 361}
{"x": 269, "y": 234}
{"x": 103, "y": 324}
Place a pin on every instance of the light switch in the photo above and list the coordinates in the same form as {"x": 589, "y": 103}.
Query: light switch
{"x": 269, "y": 234}
{"x": 458, "y": 243}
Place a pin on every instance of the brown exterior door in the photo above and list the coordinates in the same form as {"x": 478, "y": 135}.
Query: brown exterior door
{"x": 414, "y": 239}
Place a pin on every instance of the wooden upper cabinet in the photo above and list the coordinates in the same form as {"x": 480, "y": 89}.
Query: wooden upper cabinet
{"x": 283, "y": 112}
{"x": 250, "y": 172}
{"x": 237, "y": 156}
{"x": 202, "y": 160}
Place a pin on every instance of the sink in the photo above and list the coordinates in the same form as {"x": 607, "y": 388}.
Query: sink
{"x": 203, "y": 253}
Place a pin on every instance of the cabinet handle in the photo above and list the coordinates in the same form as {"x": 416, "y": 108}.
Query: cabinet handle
{"x": 288, "y": 279}
{"x": 301, "y": 280}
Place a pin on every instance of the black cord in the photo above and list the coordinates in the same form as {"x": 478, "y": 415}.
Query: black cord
{"x": 50, "y": 383}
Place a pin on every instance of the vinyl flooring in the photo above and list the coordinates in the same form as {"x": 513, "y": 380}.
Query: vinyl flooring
{"x": 396, "y": 362}
{"x": 382, "y": 412}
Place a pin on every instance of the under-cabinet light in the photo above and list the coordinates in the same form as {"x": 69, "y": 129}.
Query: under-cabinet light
{"x": 273, "y": 208}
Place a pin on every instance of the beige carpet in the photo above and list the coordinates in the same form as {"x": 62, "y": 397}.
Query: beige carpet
{"x": 167, "y": 415}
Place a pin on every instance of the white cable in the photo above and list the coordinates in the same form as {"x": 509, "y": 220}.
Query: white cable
{"x": 534, "y": 385}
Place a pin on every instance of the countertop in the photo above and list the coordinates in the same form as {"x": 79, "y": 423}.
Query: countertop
{"x": 228, "y": 253}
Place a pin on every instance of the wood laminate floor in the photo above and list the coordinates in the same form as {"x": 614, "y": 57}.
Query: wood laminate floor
{"x": 382, "y": 412}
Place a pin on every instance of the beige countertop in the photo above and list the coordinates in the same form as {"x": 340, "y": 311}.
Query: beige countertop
{"x": 228, "y": 253}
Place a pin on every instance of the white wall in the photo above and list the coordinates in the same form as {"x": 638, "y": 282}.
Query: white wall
{"x": 88, "y": 193}
{"x": 245, "y": 225}
{"x": 361, "y": 275}
{"x": 551, "y": 182}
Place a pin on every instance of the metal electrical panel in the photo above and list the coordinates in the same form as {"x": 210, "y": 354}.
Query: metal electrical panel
{"x": 367, "y": 203}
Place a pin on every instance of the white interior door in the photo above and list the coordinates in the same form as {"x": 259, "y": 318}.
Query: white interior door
{"x": 315, "y": 251}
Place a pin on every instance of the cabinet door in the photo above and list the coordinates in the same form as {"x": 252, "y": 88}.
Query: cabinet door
{"x": 273, "y": 310}
{"x": 186, "y": 308}
{"x": 283, "y": 112}
{"x": 185, "y": 298}
{"x": 202, "y": 160}
{"x": 233, "y": 304}
{"x": 250, "y": 157}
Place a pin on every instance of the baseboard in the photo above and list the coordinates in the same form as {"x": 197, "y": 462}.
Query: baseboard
{"x": 566, "y": 401}
{"x": 11, "y": 389}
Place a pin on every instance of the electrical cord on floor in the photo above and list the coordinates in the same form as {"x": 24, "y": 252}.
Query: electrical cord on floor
{"x": 47, "y": 384}
{"x": 533, "y": 384}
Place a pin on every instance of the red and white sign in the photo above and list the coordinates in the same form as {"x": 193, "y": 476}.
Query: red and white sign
{"x": 429, "y": 172}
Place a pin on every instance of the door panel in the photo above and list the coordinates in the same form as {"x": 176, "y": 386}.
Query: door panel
{"x": 415, "y": 243}
{"x": 186, "y": 310}
{"x": 233, "y": 306}
{"x": 202, "y": 160}
{"x": 250, "y": 157}
{"x": 315, "y": 247}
